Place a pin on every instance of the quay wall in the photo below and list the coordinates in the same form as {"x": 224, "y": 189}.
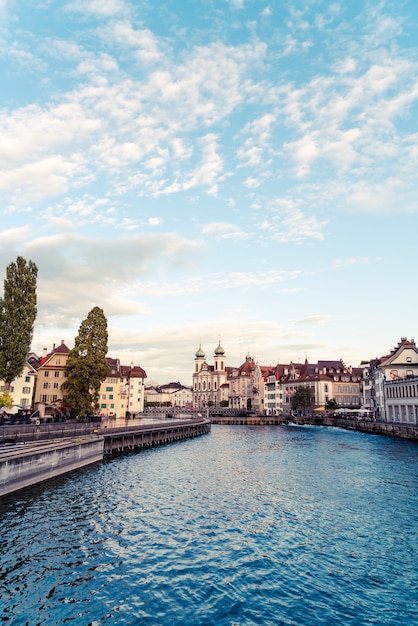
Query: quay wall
{"x": 390, "y": 429}
{"x": 25, "y": 465}
{"x": 125, "y": 439}
{"x": 251, "y": 420}
{"x": 27, "y": 462}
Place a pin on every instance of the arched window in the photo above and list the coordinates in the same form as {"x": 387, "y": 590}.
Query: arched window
{"x": 204, "y": 385}
{"x": 222, "y": 365}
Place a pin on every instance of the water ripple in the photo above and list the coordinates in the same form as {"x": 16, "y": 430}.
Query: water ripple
{"x": 244, "y": 526}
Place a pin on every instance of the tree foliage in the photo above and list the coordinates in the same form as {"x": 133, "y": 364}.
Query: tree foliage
{"x": 86, "y": 366}
{"x": 6, "y": 400}
{"x": 17, "y": 318}
{"x": 331, "y": 405}
{"x": 303, "y": 398}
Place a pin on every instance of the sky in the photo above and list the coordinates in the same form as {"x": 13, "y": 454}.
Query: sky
{"x": 205, "y": 171}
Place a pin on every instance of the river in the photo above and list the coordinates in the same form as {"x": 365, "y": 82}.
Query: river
{"x": 269, "y": 525}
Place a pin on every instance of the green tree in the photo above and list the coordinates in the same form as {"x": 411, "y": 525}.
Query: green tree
{"x": 17, "y": 318}
{"x": 331, "y": 405}
{"x": 6, "y": 400}
{"x": 303, "y": 399}
{"x": 86, "y": 366}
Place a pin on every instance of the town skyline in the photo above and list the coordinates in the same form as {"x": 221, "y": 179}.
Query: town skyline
{"x": 236, "y": 171}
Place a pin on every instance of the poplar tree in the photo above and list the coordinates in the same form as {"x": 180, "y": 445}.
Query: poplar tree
{"x": 86, "y": 366}
{"x": 17, "y": 318}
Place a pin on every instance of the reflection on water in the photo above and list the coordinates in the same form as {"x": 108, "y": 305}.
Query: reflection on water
{"x": 246, "y": 525}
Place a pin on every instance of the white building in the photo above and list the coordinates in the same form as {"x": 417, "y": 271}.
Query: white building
{"x": 209, "y": 381}
{"x": 171, "y": 394}
{"x": 22, "y": 389}
{"x": 399, "y": 368}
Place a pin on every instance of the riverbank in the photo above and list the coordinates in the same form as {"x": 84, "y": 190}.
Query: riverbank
{"x": 389, "y": 429}
{"x": 33, "y": 456}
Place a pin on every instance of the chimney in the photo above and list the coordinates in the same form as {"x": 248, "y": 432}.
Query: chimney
{"x": 44, "y": 352}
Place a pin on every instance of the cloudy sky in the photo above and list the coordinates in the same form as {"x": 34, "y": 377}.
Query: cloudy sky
{"x": 205, "y": 170}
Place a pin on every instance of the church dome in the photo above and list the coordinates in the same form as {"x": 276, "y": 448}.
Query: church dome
{"x": 200, "y": 354}
{"x": 219, "y": 351}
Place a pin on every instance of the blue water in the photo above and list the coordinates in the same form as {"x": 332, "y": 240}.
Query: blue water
{"x": 247, "y": 525}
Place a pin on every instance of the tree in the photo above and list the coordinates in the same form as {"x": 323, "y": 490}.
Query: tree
{"x": 17, "y": 318}
{"x": 303, "y": 398}
{"x": 86, "y": 366}
{"x": 6, "y": 401}
{"x": 331, "y": 405}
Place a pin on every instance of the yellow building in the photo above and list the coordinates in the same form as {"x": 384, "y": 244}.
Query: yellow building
{"x": 51, "y": 375}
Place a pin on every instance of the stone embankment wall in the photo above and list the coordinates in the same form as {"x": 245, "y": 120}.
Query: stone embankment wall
{"x": 391, "y": 429}
{"x": 125, "y": 439}
{"x": 28, "y": 461}
{"x": 404, "y": 431}
{"x": 27, "y": 464}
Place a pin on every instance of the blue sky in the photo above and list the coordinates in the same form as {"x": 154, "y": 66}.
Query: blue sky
{"x": 232, "y": 170}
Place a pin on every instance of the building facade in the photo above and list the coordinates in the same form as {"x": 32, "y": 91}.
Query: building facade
{"x": 171, "y": 394}
{"x": 22, "y": 389}
{"x": 51, "y": 376}
{"x": 122, "y": 393}
{"x": 209, "y": 381}
{"x": 392, "y": 387}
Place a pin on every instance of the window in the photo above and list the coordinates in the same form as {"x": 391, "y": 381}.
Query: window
{"x": 110, "y": 396}
{"x": 54, "y": 398}
{"x": 46, "y": 385}
{"x": 56, "y": 374}
{"x": 109, "y": 388}
{"x": 26, "y": 390}
{"x": 46, "y": 374}
{"x": 409, "y": 359}
{"x": 57, "y": 361}
{"x": 103, "y": 406}
{"x": 27, "y": 379}
{"x": 43, "y": 398}
{"x": 56, "y": 385}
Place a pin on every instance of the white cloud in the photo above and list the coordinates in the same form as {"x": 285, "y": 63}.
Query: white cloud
{"x": 224, "y": 230}
{"x": 143, "y": 42}
{"x": 98, "y": 8}
{"x": 313, "y": 320}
